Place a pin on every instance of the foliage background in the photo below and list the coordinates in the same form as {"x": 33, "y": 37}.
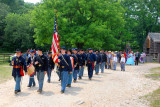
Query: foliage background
{"x": 107, "y": 24}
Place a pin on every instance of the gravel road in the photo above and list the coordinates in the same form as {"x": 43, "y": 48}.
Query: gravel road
{"x": 110, "y": 89}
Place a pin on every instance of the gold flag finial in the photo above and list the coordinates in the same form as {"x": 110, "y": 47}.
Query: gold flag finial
{"x": 55, "y": 10}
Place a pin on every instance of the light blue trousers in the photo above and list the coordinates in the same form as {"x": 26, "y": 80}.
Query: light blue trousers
{"x": 122, "y": 66}
{"x": 75, "y": 72}
{"x": 18, "y": 81}
{"x": 102, "y": 66}
{"x": 40, "y": 77}
{"x": 64, "y": 80}
{"x": 70, "y": 76}
{"x": 97, "y": 68}
{"x": 114, "y": 65}
{"x": 81, "y": 71}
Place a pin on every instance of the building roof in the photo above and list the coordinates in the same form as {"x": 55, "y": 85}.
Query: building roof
{"x": 154, "y": 36}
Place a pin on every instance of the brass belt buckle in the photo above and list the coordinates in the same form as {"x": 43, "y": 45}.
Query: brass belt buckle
{"x": 39, "y": 65}
{"x": 62, "y": 66}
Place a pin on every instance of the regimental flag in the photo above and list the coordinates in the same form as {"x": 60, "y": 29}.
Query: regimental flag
{"x": 128, "y": 48}
{"x": 55, "y": 43}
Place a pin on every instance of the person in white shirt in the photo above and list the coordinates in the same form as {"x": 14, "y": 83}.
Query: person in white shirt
{"x": 114, "y": 61}
{"x": 122, "y": 62}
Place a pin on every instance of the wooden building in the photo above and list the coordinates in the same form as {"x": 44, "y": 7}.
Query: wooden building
{"x": 152, "y": 47}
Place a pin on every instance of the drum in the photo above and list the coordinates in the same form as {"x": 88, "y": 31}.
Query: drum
{"x": 30, "y": 70}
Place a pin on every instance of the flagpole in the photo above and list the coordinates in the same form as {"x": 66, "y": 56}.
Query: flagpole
{"x": 57, "y": 29}
{"x": 56, "y": 18}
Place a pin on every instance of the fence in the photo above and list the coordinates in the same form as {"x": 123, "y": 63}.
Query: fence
{"x": 5, "y": 57}
{"x": 159, "y": 57}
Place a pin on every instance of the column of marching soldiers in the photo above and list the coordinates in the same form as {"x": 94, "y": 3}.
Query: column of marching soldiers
{"x": 71, "y": 64}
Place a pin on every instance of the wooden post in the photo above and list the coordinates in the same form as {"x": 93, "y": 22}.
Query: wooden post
{"x": 4, "y": 58}
{"x": 159, "y": 57}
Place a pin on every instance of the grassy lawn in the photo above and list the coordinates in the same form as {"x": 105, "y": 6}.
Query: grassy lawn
{"x": 154, "y": 97}
{"x": 154, "y": 73}
{"x": 5, "y": 72}
{"x": 151, "y": 62}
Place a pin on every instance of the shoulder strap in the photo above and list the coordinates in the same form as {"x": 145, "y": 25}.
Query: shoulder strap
{"x": 65, "y": 60}
{"x": 40, "y": 59}
{"x": 76, "y": 57}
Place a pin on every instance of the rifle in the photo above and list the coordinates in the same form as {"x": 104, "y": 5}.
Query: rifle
{"x": 40, "y": 60}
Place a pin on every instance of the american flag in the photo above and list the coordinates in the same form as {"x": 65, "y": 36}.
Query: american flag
{"x": 55, "y": 43}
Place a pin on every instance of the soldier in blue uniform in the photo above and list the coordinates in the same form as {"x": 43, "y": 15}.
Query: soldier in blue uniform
{"x": 66, "y": 68}
{"x": 83, "y": 58}
{"x": 78, "y": 64}
{"x": 41, "y": 66}
{"x": 103, "y": 61}
{"x": 50, "y": 66}
{"x": 70, "y": 75}
{"x": 91, "y": 58}
{"x": 30, "y": 61}
{"x": 98, "y": 62}
{"x": 109, "y": 59}
{"x": 19, "y": 64}
{"x": 106, "y": 58}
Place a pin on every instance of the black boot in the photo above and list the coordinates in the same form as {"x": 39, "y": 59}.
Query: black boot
{"x": 80, "y": 78}
{"x": 59, "y": 79}
{"x": 40, "y": 91}
{"x": 62, "y": 92}
{"x": 19, "y": 90}
{"x": 16, "y": 92}
{"x": 29, "y": 86}
{"x": 69, "y": 85}
{"x": 48, "y": 81}
{"x": 74, "y": 80}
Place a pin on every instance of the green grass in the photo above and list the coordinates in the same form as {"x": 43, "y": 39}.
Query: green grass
{"x": 154, "y": 97}
{"x": 154, "y": 73}
{"x": 151, "y": 62}
{"x": 5, "y": 72}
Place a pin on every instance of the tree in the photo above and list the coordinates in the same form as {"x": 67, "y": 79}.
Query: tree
{"x": 15, "y": 5}
{"x": 18, "y": 33}
{"x": 4, "y": 10}
{"x": 142, "y": 17}
{"x": 81, "y": 23}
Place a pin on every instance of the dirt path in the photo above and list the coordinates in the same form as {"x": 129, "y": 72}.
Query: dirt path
{"x": 111, "y": 89}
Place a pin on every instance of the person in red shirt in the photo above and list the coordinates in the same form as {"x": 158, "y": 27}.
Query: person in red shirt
{"x": 125, "y": 55}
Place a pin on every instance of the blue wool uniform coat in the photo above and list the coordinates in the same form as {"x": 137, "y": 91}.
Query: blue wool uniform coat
{"x": 43, "y": 63}
{"x": 18, "y": 61}
{"x": 103, "y": 57}
{"x": 83, "y": 57}
{"x": 30, "y": 60}
{"x": 91, "y": 57}
{"x": 51, "y": 64}
{"x": 65, "y": 66}
{"x": 75, "y": 59}
{"x": 79, "y": 61}
{"x": 99, "y": 60}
